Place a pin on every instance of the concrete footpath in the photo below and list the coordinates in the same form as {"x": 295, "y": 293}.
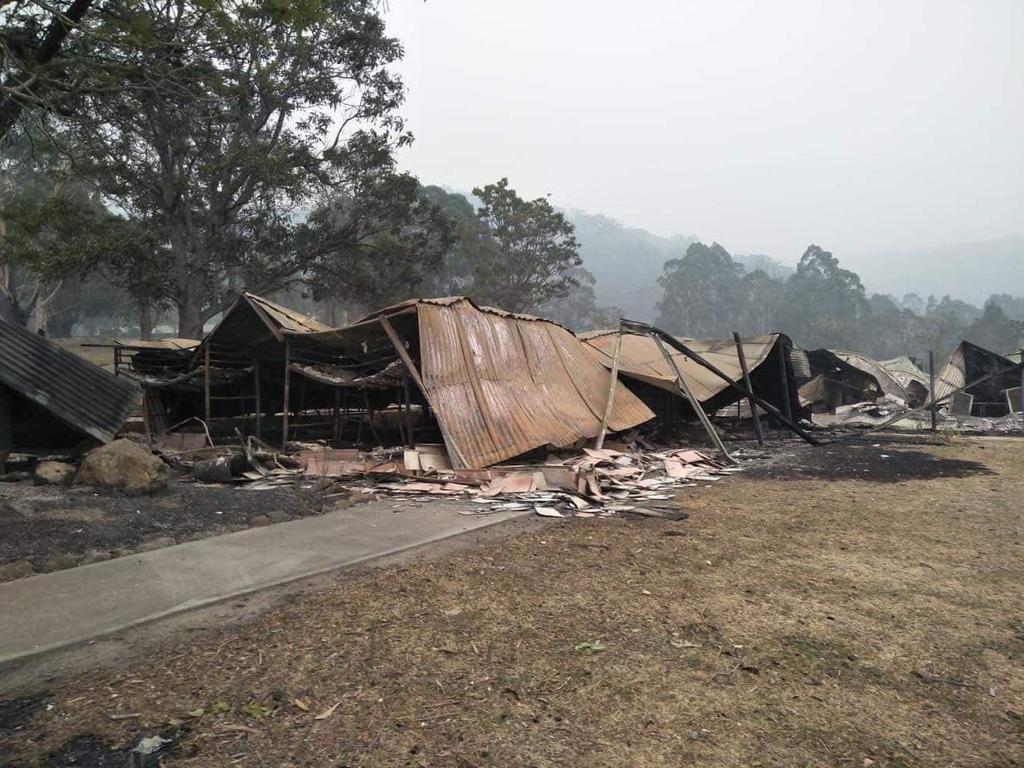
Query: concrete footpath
{"x": 54, "y": 610}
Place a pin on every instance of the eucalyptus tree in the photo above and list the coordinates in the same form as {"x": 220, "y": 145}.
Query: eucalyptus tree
{"x": 531, "y": 254}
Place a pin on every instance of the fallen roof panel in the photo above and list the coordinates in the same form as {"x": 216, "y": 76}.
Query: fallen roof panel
{"x": 177, "y": 345}
{"x": 641, "y": 359}
{"x": 887, "y": 382}
{"x": 81, "y": 394}
{"x": 503, "y": 384}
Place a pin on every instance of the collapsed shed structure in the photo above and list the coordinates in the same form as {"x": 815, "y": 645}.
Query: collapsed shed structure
{"x": 498, "y": 384}
{"x": 837, "y": 381}
{"x": 51, "y": 398}
{"x": 650, "y": 376}
{"x": 221, "y": 377}
{"x": 910, "y": 376}
{"x": 978, "y": 382}
{"x": 490, "y": 384}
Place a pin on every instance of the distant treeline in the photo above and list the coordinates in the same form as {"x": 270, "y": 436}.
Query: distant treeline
{"x": 707, "y": 293}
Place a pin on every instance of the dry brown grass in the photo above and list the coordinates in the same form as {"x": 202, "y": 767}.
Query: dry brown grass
{"x": 789, "y": 622}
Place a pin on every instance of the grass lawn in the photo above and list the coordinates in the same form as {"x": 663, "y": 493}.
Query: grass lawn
{"x": 856, "y": 605}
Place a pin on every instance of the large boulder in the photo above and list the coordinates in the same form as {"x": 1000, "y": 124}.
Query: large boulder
{"x": 125, "y": 465}
{"x": 53, "y": 473}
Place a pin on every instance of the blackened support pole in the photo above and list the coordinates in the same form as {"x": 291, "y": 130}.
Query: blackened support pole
{"x": 287, "y": 392}
{"x": 410, "y": 420}
{"x": 931, "y": 387}
{"x": 335, "y": 430}
{"x": 206, "y": 383}
{"x": 787, "y": 407}
{"x": 750, "y": 387}
{"x": 259, "y": 400}
{"x": 6, "y": 431}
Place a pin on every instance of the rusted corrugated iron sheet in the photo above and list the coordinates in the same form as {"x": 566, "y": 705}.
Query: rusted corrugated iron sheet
{"x": 502, "y": 384}
{"x": 641, "y": 359}
{"x": 170, "y": 345}
{"x": 953, "y": 375}
{"x": 79, "y": 393}
{"x": 287, "y": 319}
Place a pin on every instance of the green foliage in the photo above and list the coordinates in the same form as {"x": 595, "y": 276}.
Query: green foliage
{"x": 534, "y": 250}
{"x": 262, "y": 109}
{"x": 377, "y": 248}
{"x": 824, "y": 301}
{"x": 706, "y": 294}
{"x": 700, "y": 292}
{"x": 471, "y": 245}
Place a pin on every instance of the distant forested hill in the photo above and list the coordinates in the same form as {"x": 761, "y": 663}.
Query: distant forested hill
{"x": 625, "y": 261}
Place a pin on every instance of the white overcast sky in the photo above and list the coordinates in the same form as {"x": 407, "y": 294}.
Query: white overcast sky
{"x": 861, "y": 126}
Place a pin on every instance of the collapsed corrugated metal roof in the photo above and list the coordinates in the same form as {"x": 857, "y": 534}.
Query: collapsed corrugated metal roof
{"x": 175, "y": 345}
{"x": 499, "y": 384}
{"x": 886, "y": 381}
{"x": 906, "y": 371}
{"x": 252, "y": 320}
{"x": 79, "y": 393}
{"x": 640, "y": 358}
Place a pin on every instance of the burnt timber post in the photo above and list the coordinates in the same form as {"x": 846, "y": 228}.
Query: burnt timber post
{"x": 287, "y": 392}
{"x": 750, "y": 387}
{"x": 206, "y": 382}
{"x": 931, "y": 385}
{"x": 335, "y": 416}
{"x": 6, "y": 437}
{"x": 787, "y": 407}
{"x": 256, "y": 393}
{"x": 408, "y": 412}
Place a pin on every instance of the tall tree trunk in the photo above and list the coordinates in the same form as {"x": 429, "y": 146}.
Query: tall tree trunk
{"x": 146, "y": 322}
{"x": 10, "y": 308}
{"x": 190, "y": 317}
{"x": 39, "y": 317}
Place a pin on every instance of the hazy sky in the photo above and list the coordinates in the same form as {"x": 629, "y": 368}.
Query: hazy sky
{"x": 862, "y": 126}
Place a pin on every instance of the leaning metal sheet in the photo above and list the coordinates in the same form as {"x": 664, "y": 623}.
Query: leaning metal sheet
{"x": 502, "y": 385}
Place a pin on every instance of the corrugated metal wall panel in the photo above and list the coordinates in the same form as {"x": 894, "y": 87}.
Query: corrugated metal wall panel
{"x": 953, "y": 375}
{"x": 81, "y": 394}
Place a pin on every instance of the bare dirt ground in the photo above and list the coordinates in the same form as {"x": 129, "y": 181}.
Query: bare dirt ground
{"x": 855, "y": 605}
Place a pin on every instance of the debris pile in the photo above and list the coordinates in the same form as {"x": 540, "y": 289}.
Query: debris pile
{"x": 880, "y": 412}
{"x": 598, "y": 482}
{"x": 881, "y": 408}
